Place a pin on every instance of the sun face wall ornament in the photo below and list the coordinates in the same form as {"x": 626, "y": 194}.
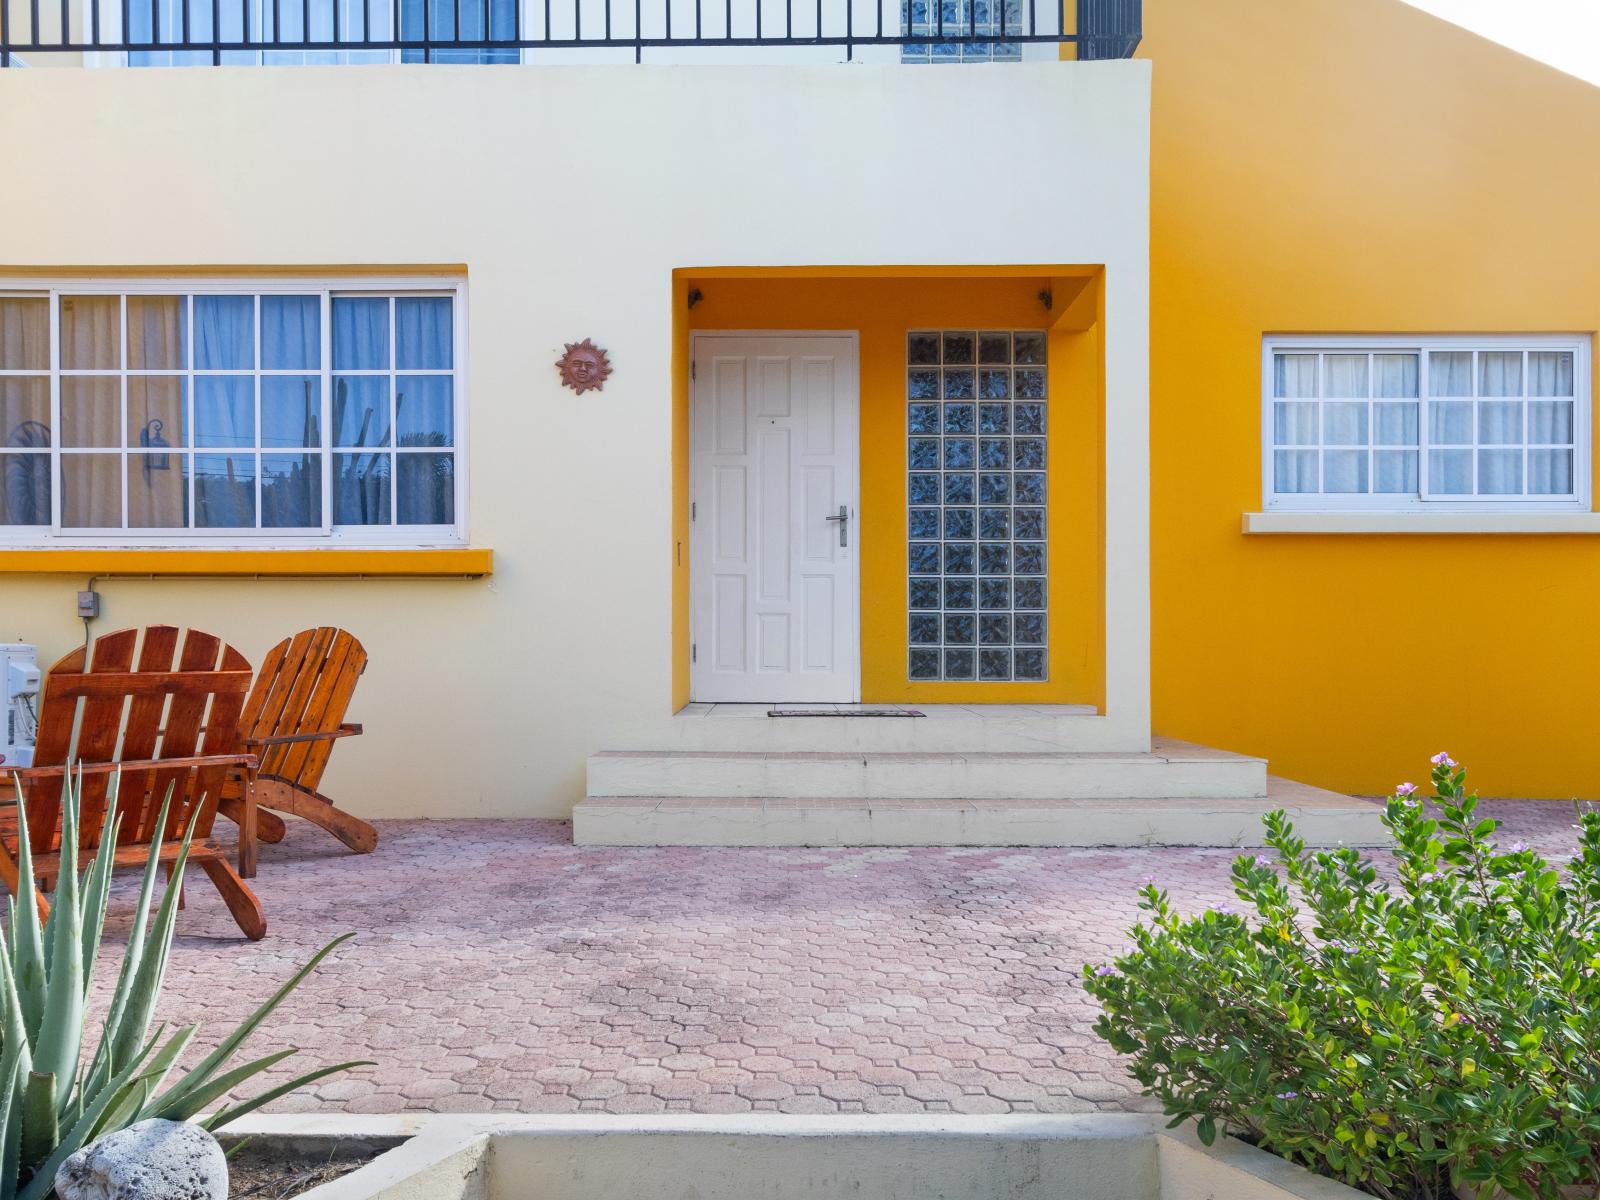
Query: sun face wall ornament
{"x": 584, "y": 367}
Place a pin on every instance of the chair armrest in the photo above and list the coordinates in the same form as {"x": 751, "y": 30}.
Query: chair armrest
{"x": 289, "y": 739}
{"x": 249, "y": 762}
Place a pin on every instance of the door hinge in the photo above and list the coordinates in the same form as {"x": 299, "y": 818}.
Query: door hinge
{"x": 694, "y": 370}
{"x": 694, "y": 511}
{"x": 694, "y": 652}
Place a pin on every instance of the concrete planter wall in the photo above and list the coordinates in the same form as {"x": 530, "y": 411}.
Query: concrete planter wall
{"x": 1099, "y": 1157}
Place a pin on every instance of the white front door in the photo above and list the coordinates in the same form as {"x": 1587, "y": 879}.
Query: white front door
{"x": 774, "y": 542}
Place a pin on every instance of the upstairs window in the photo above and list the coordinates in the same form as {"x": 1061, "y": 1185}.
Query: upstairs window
{"x": 1404, "y": 423}
{"x": 230, "y": 413}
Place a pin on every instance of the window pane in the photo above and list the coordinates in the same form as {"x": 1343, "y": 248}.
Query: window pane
{"x": 1550, "y": 421}
{"x": 360, "y": 333}
{"x": 224, "y": 491}
{"x": 89, "y": 333}
{"x": 1550, "y": 373}
{"x": 1394, "y": 375}
{"x": 91, "y": 491}
{"x": 1450, "y": 373}
{"x": 158, "y": 491}
{"x": 1295, "y": 376}
{"x": 361, "y": 410}
{"x": 1344, "y": 424}
{"x": 1395, "y": 471}
{"x": 1450, "y": 472}
{"x": 1344, "y": 471}
{"x": 91, "y": 410}
{"x": 1451, "y": 422}
{"x": 1395, "y": 424}
{"x": 24, "y": 489}
{"x": 1344, "y": 375}
{"x": 424, "y": 413}
{"x": 25, "y": 410}
{"x": 422, "y": 331}
{"x": 291, "y": 411}
{"x": 1499, "y": 472}
{"x": 224, "y": 333}
{"x": 291, "y": 333}
{"x": 1294, "y": 424}
{"x": 156, "y": 333}
{"x": 1500, "y": 373}
{"x": 1550, "y": 472}
{"x": 156, "y": 415}
{"x": 361, "y": 489}
{"x": 24, "y": 333}
{"x": 1295, "y": 471}
{"x": 291, "y": 490}
{"x": 224, "y": 412}
{"x": 1500, "y": 422}
{"x": 426, "y": 486}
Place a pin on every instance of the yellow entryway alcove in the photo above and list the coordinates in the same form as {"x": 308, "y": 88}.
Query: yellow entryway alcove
{"x": 881, "y": 305}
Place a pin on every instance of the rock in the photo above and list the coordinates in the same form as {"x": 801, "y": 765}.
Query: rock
{"x": 153, "y": 1160}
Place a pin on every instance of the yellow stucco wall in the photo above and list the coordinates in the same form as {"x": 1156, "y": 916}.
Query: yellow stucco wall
{"x": 1356, "y": 165}
{"x": 882, "y": 309}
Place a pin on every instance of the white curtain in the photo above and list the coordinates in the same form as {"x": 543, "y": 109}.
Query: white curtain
{"x": 1394, "y": 375}
{"x": 1500, "y": 373}
{"x": 1450, "y": 472}
{"x": 1450, "y": 373}
{"x": 291, "y": 333}
{"x": 1295, "y": 376}
{"x": 1550, "y": 373}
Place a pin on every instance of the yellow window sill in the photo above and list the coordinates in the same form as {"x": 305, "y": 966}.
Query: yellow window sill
{"x": 462, "y": 561}
{"x": 1455, "y": 521}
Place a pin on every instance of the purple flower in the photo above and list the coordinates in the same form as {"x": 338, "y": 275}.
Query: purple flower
{"x": 1429, "y": 877}
{"x": 1150, "y": 879}
{"x": 1102, "y": 971}
{"x": 1339, "y": 946}
{"x": 1405, "y": 789}
{"x": 1288, "y": 1095}
{"x": 1223, "y": 910}
{"x": 1518, "y": 847}
{"x": 1442, "y": 759}
{"x": 1263, "y": 861}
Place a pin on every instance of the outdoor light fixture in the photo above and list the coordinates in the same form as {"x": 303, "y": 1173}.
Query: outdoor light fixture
{"x": 150, "y": 439}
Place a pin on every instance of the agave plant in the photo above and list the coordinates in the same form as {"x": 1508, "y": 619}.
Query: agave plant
{"x": 55, "y": 1098}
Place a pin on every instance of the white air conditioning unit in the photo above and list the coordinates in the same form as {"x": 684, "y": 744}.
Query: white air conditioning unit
{"x": 19, "y": 716}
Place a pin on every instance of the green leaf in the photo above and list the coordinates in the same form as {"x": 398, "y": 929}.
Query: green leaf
{"x": 39, "y": 1131}
{"x": 1206, "y": 1128}
{"x": 227, "y": 1115}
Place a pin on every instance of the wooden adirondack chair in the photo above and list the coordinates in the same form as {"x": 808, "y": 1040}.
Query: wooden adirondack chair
{"x": 294, "y": 715}
{"x": 125, "y": 722}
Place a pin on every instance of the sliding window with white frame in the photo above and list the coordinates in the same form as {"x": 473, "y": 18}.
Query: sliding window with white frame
{"x": 216, "y": 411}
{"x": 1404, "y": 423}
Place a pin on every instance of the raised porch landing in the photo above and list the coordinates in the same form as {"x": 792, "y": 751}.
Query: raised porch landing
{"x": 999, "y": 775}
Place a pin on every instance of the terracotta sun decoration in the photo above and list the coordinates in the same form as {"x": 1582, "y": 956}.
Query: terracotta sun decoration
{"x": 583, "y": 367}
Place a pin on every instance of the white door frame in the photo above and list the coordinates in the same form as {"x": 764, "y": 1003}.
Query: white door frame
{"x": 851, "y": 571}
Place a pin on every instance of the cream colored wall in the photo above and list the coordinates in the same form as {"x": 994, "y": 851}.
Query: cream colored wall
{"x": 568, "y": 196}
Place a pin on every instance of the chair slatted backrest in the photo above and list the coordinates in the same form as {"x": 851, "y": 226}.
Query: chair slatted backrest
{"x": 138, "y": 696}
{"x": 304, "y": 686}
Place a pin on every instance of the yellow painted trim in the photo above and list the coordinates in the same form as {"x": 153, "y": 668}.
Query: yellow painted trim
{"x": 473, "y": 561}
{"x": 1034, "y": 271}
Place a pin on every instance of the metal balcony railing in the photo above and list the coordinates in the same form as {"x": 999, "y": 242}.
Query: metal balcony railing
{"x": 268, "y": 32}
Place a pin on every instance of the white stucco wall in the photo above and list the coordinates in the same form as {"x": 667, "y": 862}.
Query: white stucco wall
{"x": 568, "y": 196}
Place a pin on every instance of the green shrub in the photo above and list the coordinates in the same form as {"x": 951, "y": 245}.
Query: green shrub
{"x": 1435, "y": 1029}
{"x": 54, "y": 1099}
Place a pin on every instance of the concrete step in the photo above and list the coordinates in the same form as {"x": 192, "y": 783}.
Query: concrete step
{"x": 1322, "y": 818}
{"x": 1172, "y": 770}
{"x": 890, "y": 729}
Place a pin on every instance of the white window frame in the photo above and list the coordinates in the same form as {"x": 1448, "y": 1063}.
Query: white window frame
{"x": 1577, "y": 344}
{"x": 53, "y": 536}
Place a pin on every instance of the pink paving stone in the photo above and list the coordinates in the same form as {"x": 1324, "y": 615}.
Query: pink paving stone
{"x": 498, "y": 967}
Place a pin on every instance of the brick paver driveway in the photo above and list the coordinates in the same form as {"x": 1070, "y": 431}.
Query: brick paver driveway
{"x": 498, "y": 967}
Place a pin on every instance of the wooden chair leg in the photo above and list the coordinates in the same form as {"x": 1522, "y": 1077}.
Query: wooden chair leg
{"x": 13, "y": 882}
{"x": 236, "y": 894}
{"x": 319, "y": 810}
{"x": 269, "y": 826}
{"x": 248, "y": 827}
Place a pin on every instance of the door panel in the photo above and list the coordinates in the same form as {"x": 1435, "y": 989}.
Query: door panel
{"x": 775, "y": 604}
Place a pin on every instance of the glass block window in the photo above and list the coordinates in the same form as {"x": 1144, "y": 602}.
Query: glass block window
{"x": 1402, "y": 424}
{"x": 965, "y": 19}
{"x": 976, "y": 419}
{"x": 172, "y": 416}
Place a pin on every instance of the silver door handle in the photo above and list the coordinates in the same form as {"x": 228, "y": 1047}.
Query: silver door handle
{"x": 843, "y": 518}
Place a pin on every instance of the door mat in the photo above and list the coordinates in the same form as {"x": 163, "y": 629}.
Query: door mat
{"x": 849, "y": 712}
